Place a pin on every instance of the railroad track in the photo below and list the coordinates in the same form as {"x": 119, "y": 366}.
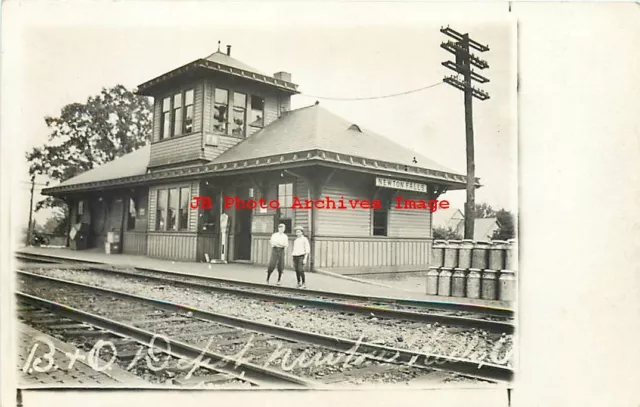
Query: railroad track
{"x": 193, "y": 326}
{"x": 494, "y": 320}
{"x": 159, "y": 361}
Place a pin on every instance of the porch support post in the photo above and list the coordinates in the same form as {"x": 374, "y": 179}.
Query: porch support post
{"x": 125, "y": 210}
{"x": 69, "y": 202}
{"x": 314, "y": 191}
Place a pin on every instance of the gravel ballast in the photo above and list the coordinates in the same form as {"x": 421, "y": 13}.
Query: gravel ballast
{"x": 434, "y": 339}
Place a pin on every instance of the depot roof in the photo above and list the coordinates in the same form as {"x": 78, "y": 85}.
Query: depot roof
{"x": 310, "y": 134}
{"x": 221, "y": 63}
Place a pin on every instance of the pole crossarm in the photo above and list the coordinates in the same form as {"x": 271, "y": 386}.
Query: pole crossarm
{"x": 459, "y": 51}
{"x": 458, "y": 84}
{"x": 462, "y": 69}
{"x": 460, "y": 37}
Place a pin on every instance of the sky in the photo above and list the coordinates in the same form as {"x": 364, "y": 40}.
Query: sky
{"x": 359, "y": 54}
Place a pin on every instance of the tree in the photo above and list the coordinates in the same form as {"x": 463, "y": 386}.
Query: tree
{"x": 56, "y": 224}
{"x": 85, "y": 136}
{"x": 505, "y": 220}
{"x": 484, "y": 210}
{"x": 445, "y": 234}
{"x": 507, "y": 228}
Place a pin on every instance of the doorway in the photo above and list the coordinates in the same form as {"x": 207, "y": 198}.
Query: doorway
{"x": 242, "y": 230}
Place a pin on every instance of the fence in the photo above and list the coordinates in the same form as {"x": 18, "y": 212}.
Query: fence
{"x": 485, "y": 270}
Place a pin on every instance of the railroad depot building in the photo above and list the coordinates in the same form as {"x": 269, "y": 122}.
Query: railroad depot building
{"x": 223, "y": 129}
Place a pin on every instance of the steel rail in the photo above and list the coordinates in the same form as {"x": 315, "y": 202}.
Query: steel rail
{"x": 437, "y": 305}
{"x": 489, "y": 325}
{"x": 243, "y": 371}
{"x": 475, "y": 369}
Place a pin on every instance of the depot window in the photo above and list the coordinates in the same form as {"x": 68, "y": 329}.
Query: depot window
{"x": 172, "y": 210}
{"x": 221, "y": 110}
{"x": 285, "y": 198}
{"x": 239, "y": 114}
{"x": 257, "y": 111}
{"x": 381, "y": 216}
{"x": 177, "y": 114}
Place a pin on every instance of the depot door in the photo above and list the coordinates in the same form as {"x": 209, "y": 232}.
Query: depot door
{"x": 242, "y": 229}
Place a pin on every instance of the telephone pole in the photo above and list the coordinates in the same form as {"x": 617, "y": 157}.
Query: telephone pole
{"x": 33, "y": 183}
{"x": 460, "y": 47}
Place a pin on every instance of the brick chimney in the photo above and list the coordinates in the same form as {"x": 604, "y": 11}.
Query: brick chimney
{"x": 283, "y": 76}
{"x": 229, "y": 50}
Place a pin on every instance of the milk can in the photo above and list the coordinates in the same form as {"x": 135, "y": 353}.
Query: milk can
{"x": 479, "y": 255}
{"x": 473, "y": 283}
{"x": 451, "y": 254}
{"x": 464, "y": 254}
{"x": 432, "y": 281}
{"x": 512, "y": 256}
{"x": 507, "y": 286}
{"x": 497, "y": 254}
{"x": 489, "y": 284}
{"x": 458, "y": 282}
{"x": 444, "y": 282}
{"x": 437, "y": 258}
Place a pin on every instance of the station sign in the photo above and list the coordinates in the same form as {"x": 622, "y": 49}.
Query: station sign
{"x": 400, "y": 184}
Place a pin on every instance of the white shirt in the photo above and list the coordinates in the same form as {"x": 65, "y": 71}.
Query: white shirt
{"x": 279, "y": 240}
{"x": 301, "y": 246}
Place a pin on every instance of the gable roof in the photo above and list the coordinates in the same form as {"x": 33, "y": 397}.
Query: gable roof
{"x": 131, "y": 164}
{"x": 445, "y": 218}
{"x": 483, "y": 228}
{"x": 224, "y": 59}
{"x": 315, "y": 128}
{"x": 310, "y": 134}
{"x": 217, "y": 62}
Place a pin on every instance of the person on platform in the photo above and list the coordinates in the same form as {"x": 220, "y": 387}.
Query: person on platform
{"x": 279, "y": 242}
{"x": 300, "y": 253}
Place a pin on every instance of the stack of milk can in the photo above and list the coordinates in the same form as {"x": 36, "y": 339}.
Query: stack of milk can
{"x": 471, "y": 269}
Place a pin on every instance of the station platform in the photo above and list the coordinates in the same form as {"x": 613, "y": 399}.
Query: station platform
{"x": 242, "y": 272}
{"x": 40, "y": 365}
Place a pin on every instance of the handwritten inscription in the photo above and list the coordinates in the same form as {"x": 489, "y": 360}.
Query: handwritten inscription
{"x": 156, "y": 356}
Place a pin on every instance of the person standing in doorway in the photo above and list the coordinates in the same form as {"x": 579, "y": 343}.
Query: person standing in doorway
{"x": 300, "y": 253}
{"x": 279, "y": 242}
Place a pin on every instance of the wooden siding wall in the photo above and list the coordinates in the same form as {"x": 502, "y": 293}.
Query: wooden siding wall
{"x": 180, "y": 246}
{"x": 272, "y": 101}
{"x": 157, "y": 119}
{"x": 153, "y": 205}
{"x": 345, "y": 222}
{"x": 135, "y": 242}
{"x": 413, "y": 223}
{"x": 302, "y": 216}
{"x": 372, "y": 252}
{"x": 176, "y": 150}
{"x": 223, "y": 143}
{"x": 208, "y": 244}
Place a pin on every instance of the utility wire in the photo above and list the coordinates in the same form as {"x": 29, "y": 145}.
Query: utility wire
{"x": 36, "y": 183}
{"x": 376, "y": 97}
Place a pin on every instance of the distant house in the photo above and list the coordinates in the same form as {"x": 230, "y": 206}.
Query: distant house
{"x": 454, "y": 219}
